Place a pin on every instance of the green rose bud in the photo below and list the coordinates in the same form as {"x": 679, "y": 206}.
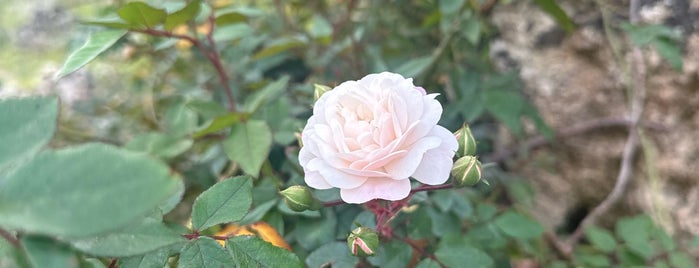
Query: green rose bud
{"x": 466, "y": 171}
{"x": 299, "y": 198}
{"x": 467, "y": 144}
{"x": 363, "y": 242}
{"x": 319, "y": 90}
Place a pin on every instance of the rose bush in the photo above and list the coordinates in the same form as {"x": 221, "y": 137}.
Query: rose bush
{"x": 368, "y": 137}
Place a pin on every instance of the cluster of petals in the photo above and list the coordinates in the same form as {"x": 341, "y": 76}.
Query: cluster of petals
{"x": 368, "y": 137}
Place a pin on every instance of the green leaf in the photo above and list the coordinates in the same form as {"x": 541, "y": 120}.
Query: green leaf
{"x": 415, "y": 67}
{"x": 551, "y": 7}
{"x": 251, "y": 251}
{"x": 472, "y": 29}
{"x": 601, "y": 239}
{"x": 635, "y": 231}
{"x": 190, "y": 11}
{"x": 485, "y": 211}
{"x": 159, "y": 144}
{"x": 230, "y": 18}
{"x": 669, "y": 50}
{"x": 450, "y": 6}
{"x": 248, "y": 145}
{"x": 226, "y": 201}
{"x": 116, "y": 23}
{"x": 280, "y": 45}
{"x": 146, "y": 236}
{"x": 507, "y": 107}
{"x": 518, "y": 226}
{"x": 428, "y": 263}
{"x": 207, "y": 109}
{"x": 27, "y": 125}
{"x": 335, "y": 254}
{"x": 179, "y": 120}
{"x": 394, "y": 254}
{"x": 96, "y": 44}
{"x": 87, "y": 181}
{"x": 319, "y": 27}
{"x": 141, "y": 15}
{"x": 220, "y": 123}
{"x": 156, "y": 258}
{"x": 312, "y": 233}
{"x": 681, "y": 260}
{"x": 463, "y": 255}
{"x": 594, "y": 260}
{"x": 268, "y": 93}
{"x": 44, "y": 252}
{"x": 204, "y": 252}
{"x": 642, "y": 35}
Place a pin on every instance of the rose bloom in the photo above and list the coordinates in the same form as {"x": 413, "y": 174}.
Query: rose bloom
{"x": 368, "y": 137}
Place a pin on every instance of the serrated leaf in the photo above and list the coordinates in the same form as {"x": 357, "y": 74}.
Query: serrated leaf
{"x": 156, "y": 258}
{"x": 463, "y": 255}
{"x": 518, "y": 226}
{"x": 27, "y": 125}
{"x": 145, "y": 236}
{"x": 204, "y": 252}
{"x": 179, "y": 17}
{"x": 142, "y": 15}
{"x": 248, "y": 145}
{"x": 335, "y": 254}
{"x": 226, "y": 201}
{"x": 96, "y": 43}
{"x": 220, "y": 123}
{"x": 601, "y": 239}
{"x": 44, "y": 252}
{"x": 415, "y": 67}
{"x": 553, "y": 9}
{"x": 87, "y": 181}
{"x": 251, "y": 251}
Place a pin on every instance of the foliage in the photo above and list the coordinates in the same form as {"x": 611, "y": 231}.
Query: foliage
{"x": 202, "y": 120}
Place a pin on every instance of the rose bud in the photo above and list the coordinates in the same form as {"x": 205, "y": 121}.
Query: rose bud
{"x": 363, "y": 242}
{"x": 466, "y": 172}
{"x": 299, "y": 198}
{"x": 319, "y": 90}
{"x": 467, "y": 144}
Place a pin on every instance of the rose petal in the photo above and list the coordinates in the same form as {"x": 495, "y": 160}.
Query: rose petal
{"x": 315, "y": 180}
{"x": 377, "y": 188}
{"x": 436, "y": 163}
{"x": 405, "y": 166}
{"x": 333, "y": 176}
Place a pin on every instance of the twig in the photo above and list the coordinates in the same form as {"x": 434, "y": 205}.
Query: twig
{"x": 637, "y": 96}
{"x": 9, "y": 237}
{"x": 575, "y": 130}
{"x": 210, "y": 52}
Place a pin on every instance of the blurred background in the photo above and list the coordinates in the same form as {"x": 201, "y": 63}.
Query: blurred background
{"x": 546, "y": 87}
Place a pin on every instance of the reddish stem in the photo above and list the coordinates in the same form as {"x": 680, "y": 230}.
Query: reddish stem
{"x": 211, "y": 53}
{"x": 9, "y": 237}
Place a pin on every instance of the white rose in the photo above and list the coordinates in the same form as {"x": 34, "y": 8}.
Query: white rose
{"x": 368, "y": 137}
